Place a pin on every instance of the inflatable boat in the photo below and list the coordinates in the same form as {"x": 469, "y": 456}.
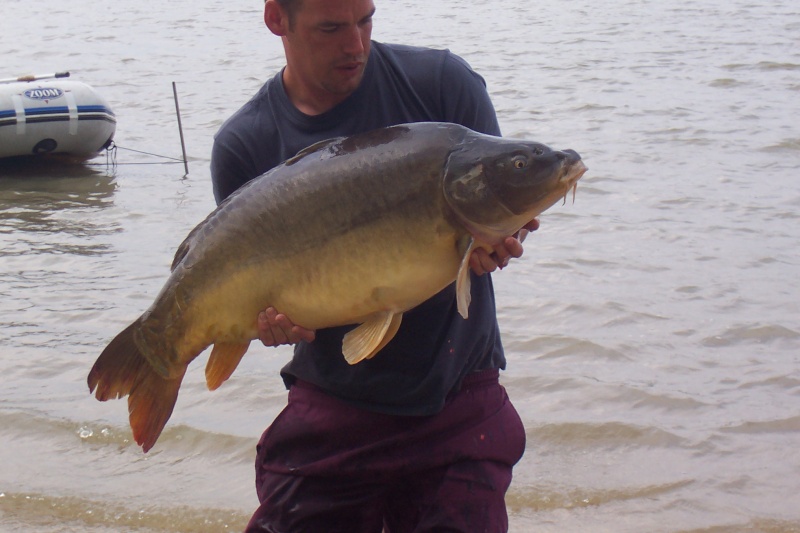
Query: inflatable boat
{"x": 51, "y": 115}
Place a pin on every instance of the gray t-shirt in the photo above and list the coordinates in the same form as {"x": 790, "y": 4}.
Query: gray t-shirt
{"x": 434, "y": 348}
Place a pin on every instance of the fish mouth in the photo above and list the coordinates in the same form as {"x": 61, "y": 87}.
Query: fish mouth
{"x": 574, "y": 172}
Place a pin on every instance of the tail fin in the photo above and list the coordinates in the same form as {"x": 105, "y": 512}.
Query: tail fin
{"x": 122, "y": 370}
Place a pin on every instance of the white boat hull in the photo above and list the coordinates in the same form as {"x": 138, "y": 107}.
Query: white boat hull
{"x": 53, "y": 117}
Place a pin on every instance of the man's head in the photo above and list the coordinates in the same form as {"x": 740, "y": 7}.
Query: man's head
{"x": 327, "y": 44}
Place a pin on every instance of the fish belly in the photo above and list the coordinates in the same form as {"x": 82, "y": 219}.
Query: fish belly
{"x": 339, "y": 281}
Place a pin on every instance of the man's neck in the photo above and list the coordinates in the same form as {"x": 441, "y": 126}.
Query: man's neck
{"x": 306, "y": 101}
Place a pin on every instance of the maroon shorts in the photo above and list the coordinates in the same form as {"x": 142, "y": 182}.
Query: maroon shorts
{"x": 326, "y": 466}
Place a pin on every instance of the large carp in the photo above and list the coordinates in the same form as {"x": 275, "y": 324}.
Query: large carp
{"x": 355, "y": 230}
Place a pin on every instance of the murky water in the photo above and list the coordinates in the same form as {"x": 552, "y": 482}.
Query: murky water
{"x": 652, "y": 328}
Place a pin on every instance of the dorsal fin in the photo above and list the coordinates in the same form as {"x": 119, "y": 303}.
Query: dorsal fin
{"x": 181, "y": 252}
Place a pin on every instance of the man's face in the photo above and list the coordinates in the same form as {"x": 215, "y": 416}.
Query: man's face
{"x": 328, "y": 46}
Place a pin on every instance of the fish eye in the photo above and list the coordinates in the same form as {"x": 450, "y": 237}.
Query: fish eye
{"x": 519, "y": 162}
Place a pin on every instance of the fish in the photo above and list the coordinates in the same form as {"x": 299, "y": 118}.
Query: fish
{"x": 350, "y": 231}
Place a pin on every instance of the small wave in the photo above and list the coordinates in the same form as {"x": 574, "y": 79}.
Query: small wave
{"x": 759, "y": 525}
{"x": 594, "y": 107}
{"x": 46, "y": 512}
{"x": 726, "y": 83}
{"x": 786, "y": 145}
{"x": 579, "y": 348}
{"x": 180, "y": 440}
{"x": 608, "y": 434}
{"x": 640, "y": 399}
{"x": 541, "y": 384}
{"x": 775, "y": 65}
{"x": 781, "y": 382}
{"x": 542, "y": 499}
{"x": 785, "y": 425}
{"x": 633, "y": 318}
{"x": 689, "y": 289}
{"x": 764, "y": 66}
{"x": 751, "y": 333}
{"x": 600, "y": 263}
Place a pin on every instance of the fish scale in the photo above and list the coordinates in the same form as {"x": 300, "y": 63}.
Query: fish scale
{"x": 351, "y": 231}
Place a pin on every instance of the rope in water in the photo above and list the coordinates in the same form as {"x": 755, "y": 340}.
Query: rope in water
{"x": 111, "y": 157}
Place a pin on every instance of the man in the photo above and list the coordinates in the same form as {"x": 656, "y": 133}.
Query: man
{"x": 422, "y": 437}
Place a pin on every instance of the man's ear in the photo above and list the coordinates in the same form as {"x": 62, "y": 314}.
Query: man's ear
{"x": 276, "y": 19}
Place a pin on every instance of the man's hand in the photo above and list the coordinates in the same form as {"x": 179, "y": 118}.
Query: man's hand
{"x": 275, "y": 329}
{"x": 483, "y": 262}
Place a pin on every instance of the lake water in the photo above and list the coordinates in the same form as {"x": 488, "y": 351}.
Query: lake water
{"x": 652, "y": 327}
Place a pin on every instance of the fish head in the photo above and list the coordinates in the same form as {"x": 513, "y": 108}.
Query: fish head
{"x": 495, "y": 186}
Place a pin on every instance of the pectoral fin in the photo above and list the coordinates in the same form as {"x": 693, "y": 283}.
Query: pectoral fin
{"x": 224, "y": 359}
{"x": 371, "y": 336}
{"x": 463, "y": 282}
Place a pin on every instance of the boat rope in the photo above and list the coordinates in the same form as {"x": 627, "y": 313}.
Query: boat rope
{"x": 172, "y": 160}
{"x": 111, "y": 157}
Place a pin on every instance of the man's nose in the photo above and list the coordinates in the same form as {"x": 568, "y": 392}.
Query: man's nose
{"x": 353, "y": 43}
